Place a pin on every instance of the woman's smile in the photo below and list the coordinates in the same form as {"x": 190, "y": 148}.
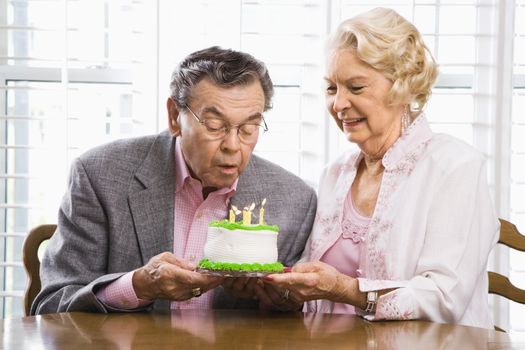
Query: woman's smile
{"x": 353, "y": 123}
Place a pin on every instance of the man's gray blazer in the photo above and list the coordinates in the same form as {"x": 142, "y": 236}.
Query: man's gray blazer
{"x": 118, "y": 213}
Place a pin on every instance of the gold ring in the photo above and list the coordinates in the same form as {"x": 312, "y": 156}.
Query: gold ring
{"x": 196, "y": 292}
{"x": 286, "y": 294}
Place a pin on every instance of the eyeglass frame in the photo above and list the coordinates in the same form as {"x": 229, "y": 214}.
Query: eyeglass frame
{"x": 228, "y": 127}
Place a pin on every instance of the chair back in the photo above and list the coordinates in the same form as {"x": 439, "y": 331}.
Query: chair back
{"x": 31, "y": 262}
{"x": 498, "y": 283}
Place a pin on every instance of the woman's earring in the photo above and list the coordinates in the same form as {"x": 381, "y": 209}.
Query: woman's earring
{"x": 405, "y": 121}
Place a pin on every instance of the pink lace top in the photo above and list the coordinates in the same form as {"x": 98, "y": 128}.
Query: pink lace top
{"x": 345, "y": 253}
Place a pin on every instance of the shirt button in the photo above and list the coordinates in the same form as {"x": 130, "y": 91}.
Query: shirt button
{"x": 199, "y": 215}
{"x": 192, "y": 257}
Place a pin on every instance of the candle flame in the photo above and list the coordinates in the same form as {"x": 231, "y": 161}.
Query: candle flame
{"x": 263, "y": 202}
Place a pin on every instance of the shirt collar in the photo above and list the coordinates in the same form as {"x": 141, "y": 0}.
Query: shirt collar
{"x": 183, "y": 176}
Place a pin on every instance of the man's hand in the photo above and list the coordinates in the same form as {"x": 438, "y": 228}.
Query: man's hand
{"x": 167, "y": 277}
{"x": 271, "y": 297}
{"x": 241, "y": 287}
{"x": 277, "y": 298}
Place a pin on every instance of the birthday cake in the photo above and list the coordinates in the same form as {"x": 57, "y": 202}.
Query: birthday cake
{"x": 241, "y": 246}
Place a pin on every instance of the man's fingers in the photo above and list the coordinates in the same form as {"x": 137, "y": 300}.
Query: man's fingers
{"x": 214, "y": 282}
{"x": 239, "y": 283}
{"x": 183, "y": 264}
{"x": 172, "y": 259}
{"x": 193, "y": 279}
{"x": 274, "y": 294}
{"x": 250, "y": 285}
{"x": 262, "y": 295}
{"x": 228, "y": 283}
{"x": 241, "y": 287}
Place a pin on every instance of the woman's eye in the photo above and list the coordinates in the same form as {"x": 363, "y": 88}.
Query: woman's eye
{"x": 356, "y": 88}
{"x": 331, "y": 89}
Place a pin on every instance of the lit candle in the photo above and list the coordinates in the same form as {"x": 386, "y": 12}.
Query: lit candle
{"x": 233, "y": 212}
{"x": 246, "y": 216}
{"x": 261, "y": 212}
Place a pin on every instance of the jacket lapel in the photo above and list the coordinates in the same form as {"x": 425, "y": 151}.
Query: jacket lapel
{"x": 151, "y": 205}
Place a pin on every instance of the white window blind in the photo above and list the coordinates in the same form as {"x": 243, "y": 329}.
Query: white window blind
{"x": 289, "y": 37}
{"x": 517, "y": 160}
{"x": 72, "y": 76}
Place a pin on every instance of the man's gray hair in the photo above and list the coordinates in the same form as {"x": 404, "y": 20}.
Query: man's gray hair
{"x": 224, "y": 67}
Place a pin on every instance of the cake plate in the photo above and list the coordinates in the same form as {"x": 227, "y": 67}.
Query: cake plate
{"x": 230, "y": 273}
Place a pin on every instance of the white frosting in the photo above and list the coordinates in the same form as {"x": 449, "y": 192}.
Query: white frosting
{"x": 241, "y": 246}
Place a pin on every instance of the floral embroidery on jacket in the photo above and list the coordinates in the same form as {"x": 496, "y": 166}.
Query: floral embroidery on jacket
{"x": 353, "y": 231}
{"x": 380, "y": 227}
{"x": 388, "y": 308}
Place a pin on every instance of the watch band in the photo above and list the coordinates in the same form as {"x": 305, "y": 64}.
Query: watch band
{"x": 371, "y": 301}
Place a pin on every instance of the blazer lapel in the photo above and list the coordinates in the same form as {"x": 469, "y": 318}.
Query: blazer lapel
{"x": 151, "y": 205}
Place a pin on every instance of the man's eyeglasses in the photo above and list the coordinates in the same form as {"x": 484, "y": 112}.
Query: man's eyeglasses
{"x": 217, "y": 129}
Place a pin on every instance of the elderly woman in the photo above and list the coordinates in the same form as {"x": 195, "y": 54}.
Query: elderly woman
{"x": 405, "y": 225}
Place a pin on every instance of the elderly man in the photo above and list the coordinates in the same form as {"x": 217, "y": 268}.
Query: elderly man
{"x": 133, "y": 222}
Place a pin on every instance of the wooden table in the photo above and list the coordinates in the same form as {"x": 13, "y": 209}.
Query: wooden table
{"x": 236, "y": 329}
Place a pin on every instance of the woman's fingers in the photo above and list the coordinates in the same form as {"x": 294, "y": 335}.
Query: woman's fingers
{"x": 293, "y": 279}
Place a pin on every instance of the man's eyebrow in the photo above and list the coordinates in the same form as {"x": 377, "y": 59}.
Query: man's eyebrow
{"x": 255, "y": 115}
{"x": 219, "y": 114}
{"x": 213, "y": 110}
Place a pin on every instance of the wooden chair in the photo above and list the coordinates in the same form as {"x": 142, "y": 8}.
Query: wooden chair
{"x": 499, "y": 284}
{"x": 31, "y": 262}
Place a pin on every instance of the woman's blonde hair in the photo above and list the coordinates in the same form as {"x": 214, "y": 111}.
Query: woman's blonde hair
{"x": 394, "y": 47}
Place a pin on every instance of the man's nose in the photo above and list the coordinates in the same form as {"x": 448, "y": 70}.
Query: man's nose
{"x": 231, "y": 141}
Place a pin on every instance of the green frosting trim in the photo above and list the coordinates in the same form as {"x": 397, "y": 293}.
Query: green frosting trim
{"x": 255, "y": 267}
{"x": 239, "y": 226}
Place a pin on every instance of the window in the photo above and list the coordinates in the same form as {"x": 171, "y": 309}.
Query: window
{"x": 68, "y": 81}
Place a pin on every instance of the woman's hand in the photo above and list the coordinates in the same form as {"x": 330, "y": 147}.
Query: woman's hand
{"x": 317, "y": 280}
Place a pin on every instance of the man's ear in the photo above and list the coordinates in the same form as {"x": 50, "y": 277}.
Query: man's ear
{"x": 173, "y": 117}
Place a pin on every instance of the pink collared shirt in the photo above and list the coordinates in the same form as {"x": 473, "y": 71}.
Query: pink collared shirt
{"x": 192, "y": 213}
